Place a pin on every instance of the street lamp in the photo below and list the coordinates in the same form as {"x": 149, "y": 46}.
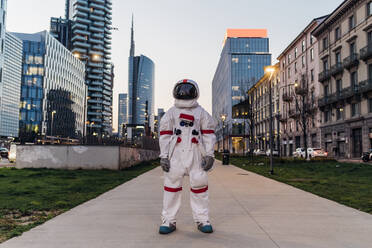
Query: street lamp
{"x": 270, "y": 70}
{"x": 223, "y": 118}
{"x": 51, "y": 128}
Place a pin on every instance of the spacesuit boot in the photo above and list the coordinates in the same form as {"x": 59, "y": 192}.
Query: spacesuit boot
{"x": 186, "y": 149}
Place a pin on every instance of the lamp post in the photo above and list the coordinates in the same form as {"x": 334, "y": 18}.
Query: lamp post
{"x": 270, "y": 70}
{"x": 51, "y": 128}
{"x": 223, "y": 118}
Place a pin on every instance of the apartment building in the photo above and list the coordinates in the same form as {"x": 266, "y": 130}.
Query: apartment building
{"x": 299, "y": 68}
{"x": 345, "y": 53}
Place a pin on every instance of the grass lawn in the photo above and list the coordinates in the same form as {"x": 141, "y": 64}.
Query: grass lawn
{"x": 347, "y": 183}
{"x": 29, "y": 197}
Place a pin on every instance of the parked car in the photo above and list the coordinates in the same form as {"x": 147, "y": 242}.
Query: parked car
{"x": 275, "y": 153}
{"x": 315, "y": 152}
{"x": 298, "y": 152}
{"x": 259, "y": 152}
{"x": 12, "y": 153}
{"x": 4, "y": 153}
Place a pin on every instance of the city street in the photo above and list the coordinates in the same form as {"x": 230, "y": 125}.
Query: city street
{"x": 247, "y": 210}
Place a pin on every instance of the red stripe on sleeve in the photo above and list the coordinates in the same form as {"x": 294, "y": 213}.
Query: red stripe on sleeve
{"x": 173, "y": 190}
{"x": 198, "y": 191}
{"x": 166, "y": 132}
{"x": 207, "y": 131}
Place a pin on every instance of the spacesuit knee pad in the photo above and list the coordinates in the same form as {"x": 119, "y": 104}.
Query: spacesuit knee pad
{"x": 198, "y": 180}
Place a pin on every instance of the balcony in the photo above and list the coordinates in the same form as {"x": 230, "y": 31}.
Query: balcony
{"x": 95, "y": 113}
{"x": 366, "y": 52}
{"x": 95, "y": 41}
{"x": 95, "y": 94}
{"x": 83, "y": 8}
{"x": 97, "y": 18}
{"x": 337, "y": 69}
{"x": 107, "y": 103}
{"x": 81, "y": 14}
{"x": 324, "y": 76}
{"x": 365, "y": 86}
{"x": 98, "y": 36}
{"x": 300, "y": 90}
{"x": 81, "y": 44}
{"x": 98, "y": 47}
{"x": 95, "y": 101}
{"x": 327, "y": 100}
{"x": 95, "y": 64}
{"x": 95, "y": 119}
{"x": 81, "y": 2}
{"x": 96, "y": 107}
{"x": 96, "y": 83}
{"x": 79, "y": 50}
{"x": 98, "y": 71}
{"x": 82, "y": 20}
{"x": 107, "y": 77}
{"x": 96, "y": 77}
{"x": 95, "y": 29}
{"x": 79, "y": 38}
{"x": 99, "y": 1}
{"x": 79, "y": 26}
{"x": 351, "y": 61}
{"x": 98, "y": 12}
{"x": 96, "y": 53}
{"x": 81, "y": 32}
{"x": 97, "y": 6}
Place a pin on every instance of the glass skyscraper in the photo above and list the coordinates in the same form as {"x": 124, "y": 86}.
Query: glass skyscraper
{"x": 245, "y": 54}
{"x": 140, "y": 88}
{"x": 11, "y": 86}
{"x": 86, "y": 31}
{"x": 122, "y": 113}
{"x": 53, "y": 92}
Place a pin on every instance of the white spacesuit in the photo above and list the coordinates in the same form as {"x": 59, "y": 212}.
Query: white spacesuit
{"x": 186, "y": 148}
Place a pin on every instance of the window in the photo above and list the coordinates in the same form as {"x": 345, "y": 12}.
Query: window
{"x": 337, "y": 33}
{"x": 369, "y": 8}
{"x": 312, "y": 54}
{"x": 370, "y": 72}
{"x": 354, "y": 80}
{"x": 370, "y": 105}
{"x": 338, "y": 86}
{"x": 369, "y": 37}
{"x": 339, "y": 112}
{"x": 351, "y": 22}
{"x": 326, "y": 90}
{"x": 295, "y": 52}
{"x": 325, "y": 64}
{"x": 354, "y": 109}
{"x": 338, "y": 57}
{"x": 289, "y": 72}
{"x": 312, "y": 75}
{"x": 327, "y": 116}
{"x": 303, "y": 61}
{"x": 295, "y": 66}
{"x": 311, "y": 39}
{"x": 352, "y": 48}
{"x": 289, "y": 59}
{"x": 325, "y": 43}
{"x": 303, "y": 46}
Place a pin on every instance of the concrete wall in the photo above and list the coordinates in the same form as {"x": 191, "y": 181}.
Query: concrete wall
{"x": 81, "y": 157}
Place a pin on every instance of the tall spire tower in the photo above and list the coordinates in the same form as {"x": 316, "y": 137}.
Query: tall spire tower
{"x": 131, "y": 54}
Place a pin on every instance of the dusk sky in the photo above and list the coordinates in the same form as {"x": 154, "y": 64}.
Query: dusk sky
{"x": 183, "y": 38}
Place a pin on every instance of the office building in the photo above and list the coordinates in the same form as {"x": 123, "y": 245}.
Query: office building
{"x": 86, "y": 31}
{"x": 345, "y": 66}
{"x": 11, "y": 86}
{"x": 53, "y": 92}
{"x": 140, "y": 88}
{"x": 245, "y": 53}
{"x": 299, "y": 66}
{"x": 122, "y": 113}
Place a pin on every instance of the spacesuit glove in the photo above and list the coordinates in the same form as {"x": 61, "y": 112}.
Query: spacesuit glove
{"x": 207, "y": 162}
{"x": 165, "y": 165}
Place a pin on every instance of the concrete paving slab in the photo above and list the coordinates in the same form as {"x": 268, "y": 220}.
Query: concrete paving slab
{"x": 247, "y": 210}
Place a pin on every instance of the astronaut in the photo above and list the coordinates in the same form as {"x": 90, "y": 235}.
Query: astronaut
{"x": 186, "y": 149}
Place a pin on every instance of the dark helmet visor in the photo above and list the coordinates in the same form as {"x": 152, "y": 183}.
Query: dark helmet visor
{"x": 185, "y": 91}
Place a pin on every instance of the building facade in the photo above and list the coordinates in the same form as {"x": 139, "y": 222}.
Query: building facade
{"x": 122, "y": 113}
{"x": 90, "y": 24}
{"x": 11, "y": 86}
{"x": 255, "y": 111}
{"x": 244, "y": 55}
{"x": 299, "y": 66}
{"x": 345, "y": 53}
{"x": 53, "y": 91}
{"x": 141, "y": 86}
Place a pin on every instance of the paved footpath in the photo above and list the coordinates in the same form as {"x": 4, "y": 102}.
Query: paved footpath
{"x": 247, "y": 210}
